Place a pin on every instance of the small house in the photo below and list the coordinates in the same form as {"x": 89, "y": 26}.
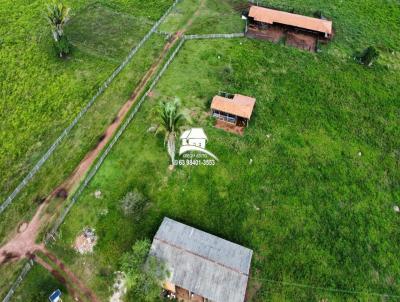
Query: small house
{"x": 235, "y": 109}
{"x": 194, "y": 137}
{"x": 201, "y": 266}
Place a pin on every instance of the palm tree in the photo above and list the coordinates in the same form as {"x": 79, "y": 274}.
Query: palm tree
{"x": 170, "y": 120}
{"x": 57, "y": 16}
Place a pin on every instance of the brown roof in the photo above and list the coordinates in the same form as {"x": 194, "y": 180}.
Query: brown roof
{"x": 240, "y": 105}
{"x": 271, "y": 16}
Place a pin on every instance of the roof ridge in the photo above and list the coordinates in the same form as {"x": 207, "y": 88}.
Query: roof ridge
{"x": 203, "y": 257}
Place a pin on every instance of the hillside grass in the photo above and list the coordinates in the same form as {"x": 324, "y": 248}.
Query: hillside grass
{"x": 310, "y": 187}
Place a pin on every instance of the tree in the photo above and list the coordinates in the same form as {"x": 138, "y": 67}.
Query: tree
{"x": 58, "y": 14}
{"x": 170, "y": 120}
{"x": 368, "y": 56}
{"x": 144, "y": 273}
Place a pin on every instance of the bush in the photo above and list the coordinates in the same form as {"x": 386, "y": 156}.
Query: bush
{"x": 368, "y": 56}
{"x": 63, "y": 46}
{"x": 133, "y": 203}
{"x": 143, "y": 273}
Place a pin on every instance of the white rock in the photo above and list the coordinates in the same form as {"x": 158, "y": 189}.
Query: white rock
{"x": 97, "y": 194}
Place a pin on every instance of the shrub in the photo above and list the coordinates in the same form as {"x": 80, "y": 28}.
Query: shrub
{"x": 133, "y": 202}
{"x": 368, "y": 56}
{"x": 143, "y": 273}
{"x": 63, "y": 46}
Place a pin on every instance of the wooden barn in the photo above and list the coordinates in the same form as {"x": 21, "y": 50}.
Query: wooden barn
{"x": 299, "y": 31}
{"x": 202, "y": 267}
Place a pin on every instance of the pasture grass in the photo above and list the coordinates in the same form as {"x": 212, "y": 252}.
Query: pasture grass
{"x": 84, "y": 137}
{"x": 98, "y": 30}
{"x": 313, "y": 210}
{"x": 213, "y": 16}
{"x": 310, "y": 187}
{"x": 41, "y": 94}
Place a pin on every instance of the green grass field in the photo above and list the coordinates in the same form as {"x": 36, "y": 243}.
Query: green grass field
{"x": 41, "y": 94}
{"x": 311, "y": 185}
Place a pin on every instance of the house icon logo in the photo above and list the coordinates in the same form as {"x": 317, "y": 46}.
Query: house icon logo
{"x": 195, "y": 139}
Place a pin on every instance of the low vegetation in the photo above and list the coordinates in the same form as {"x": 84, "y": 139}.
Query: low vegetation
{"x": 58, "y": 14}
{"x": 143, "y": 274}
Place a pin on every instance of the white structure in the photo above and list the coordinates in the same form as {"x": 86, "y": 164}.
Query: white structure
{"x": 195, "y": 137}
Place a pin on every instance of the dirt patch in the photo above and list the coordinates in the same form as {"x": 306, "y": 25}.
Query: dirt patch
{"x": 277, "y": 34}
{"x": 39, "y": 200}
{"x": 8, "y": 257}
{"x": 85, "y": 243}
{"x": 101, "y": 138}
{"x": 62, "y": 193}
{"x": 119, "y": 288}
{"x": 252, "y": 290}
{"x": 229, "y": 127}
{"x": 273, "y": 34}
{"x": 22, "y": 227}
{"x": 302, "y": 41}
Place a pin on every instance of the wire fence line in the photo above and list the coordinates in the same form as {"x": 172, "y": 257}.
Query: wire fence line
{"x": 67, "y": 130}
{"x": 28, "y": 266}
{"x": 214, "y": 36}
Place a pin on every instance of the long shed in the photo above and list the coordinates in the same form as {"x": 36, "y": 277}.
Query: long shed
{"x": 202, "y": 267}
{"x": 271, "y": 16}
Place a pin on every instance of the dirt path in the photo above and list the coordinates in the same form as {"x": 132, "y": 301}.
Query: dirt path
{"x": 73, "y": 279}
{"x": 23, "y": 244}
{"x": 71, "y": 290}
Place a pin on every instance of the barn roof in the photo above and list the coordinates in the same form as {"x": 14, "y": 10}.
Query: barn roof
{"x": 206, "y": 265}
{"x": 271, "y": 16}
{"x": 240, "y": 105}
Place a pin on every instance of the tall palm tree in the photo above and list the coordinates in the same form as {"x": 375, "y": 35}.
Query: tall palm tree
{"x": 170, "y": 119}
{"x": 57, "y": 16}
